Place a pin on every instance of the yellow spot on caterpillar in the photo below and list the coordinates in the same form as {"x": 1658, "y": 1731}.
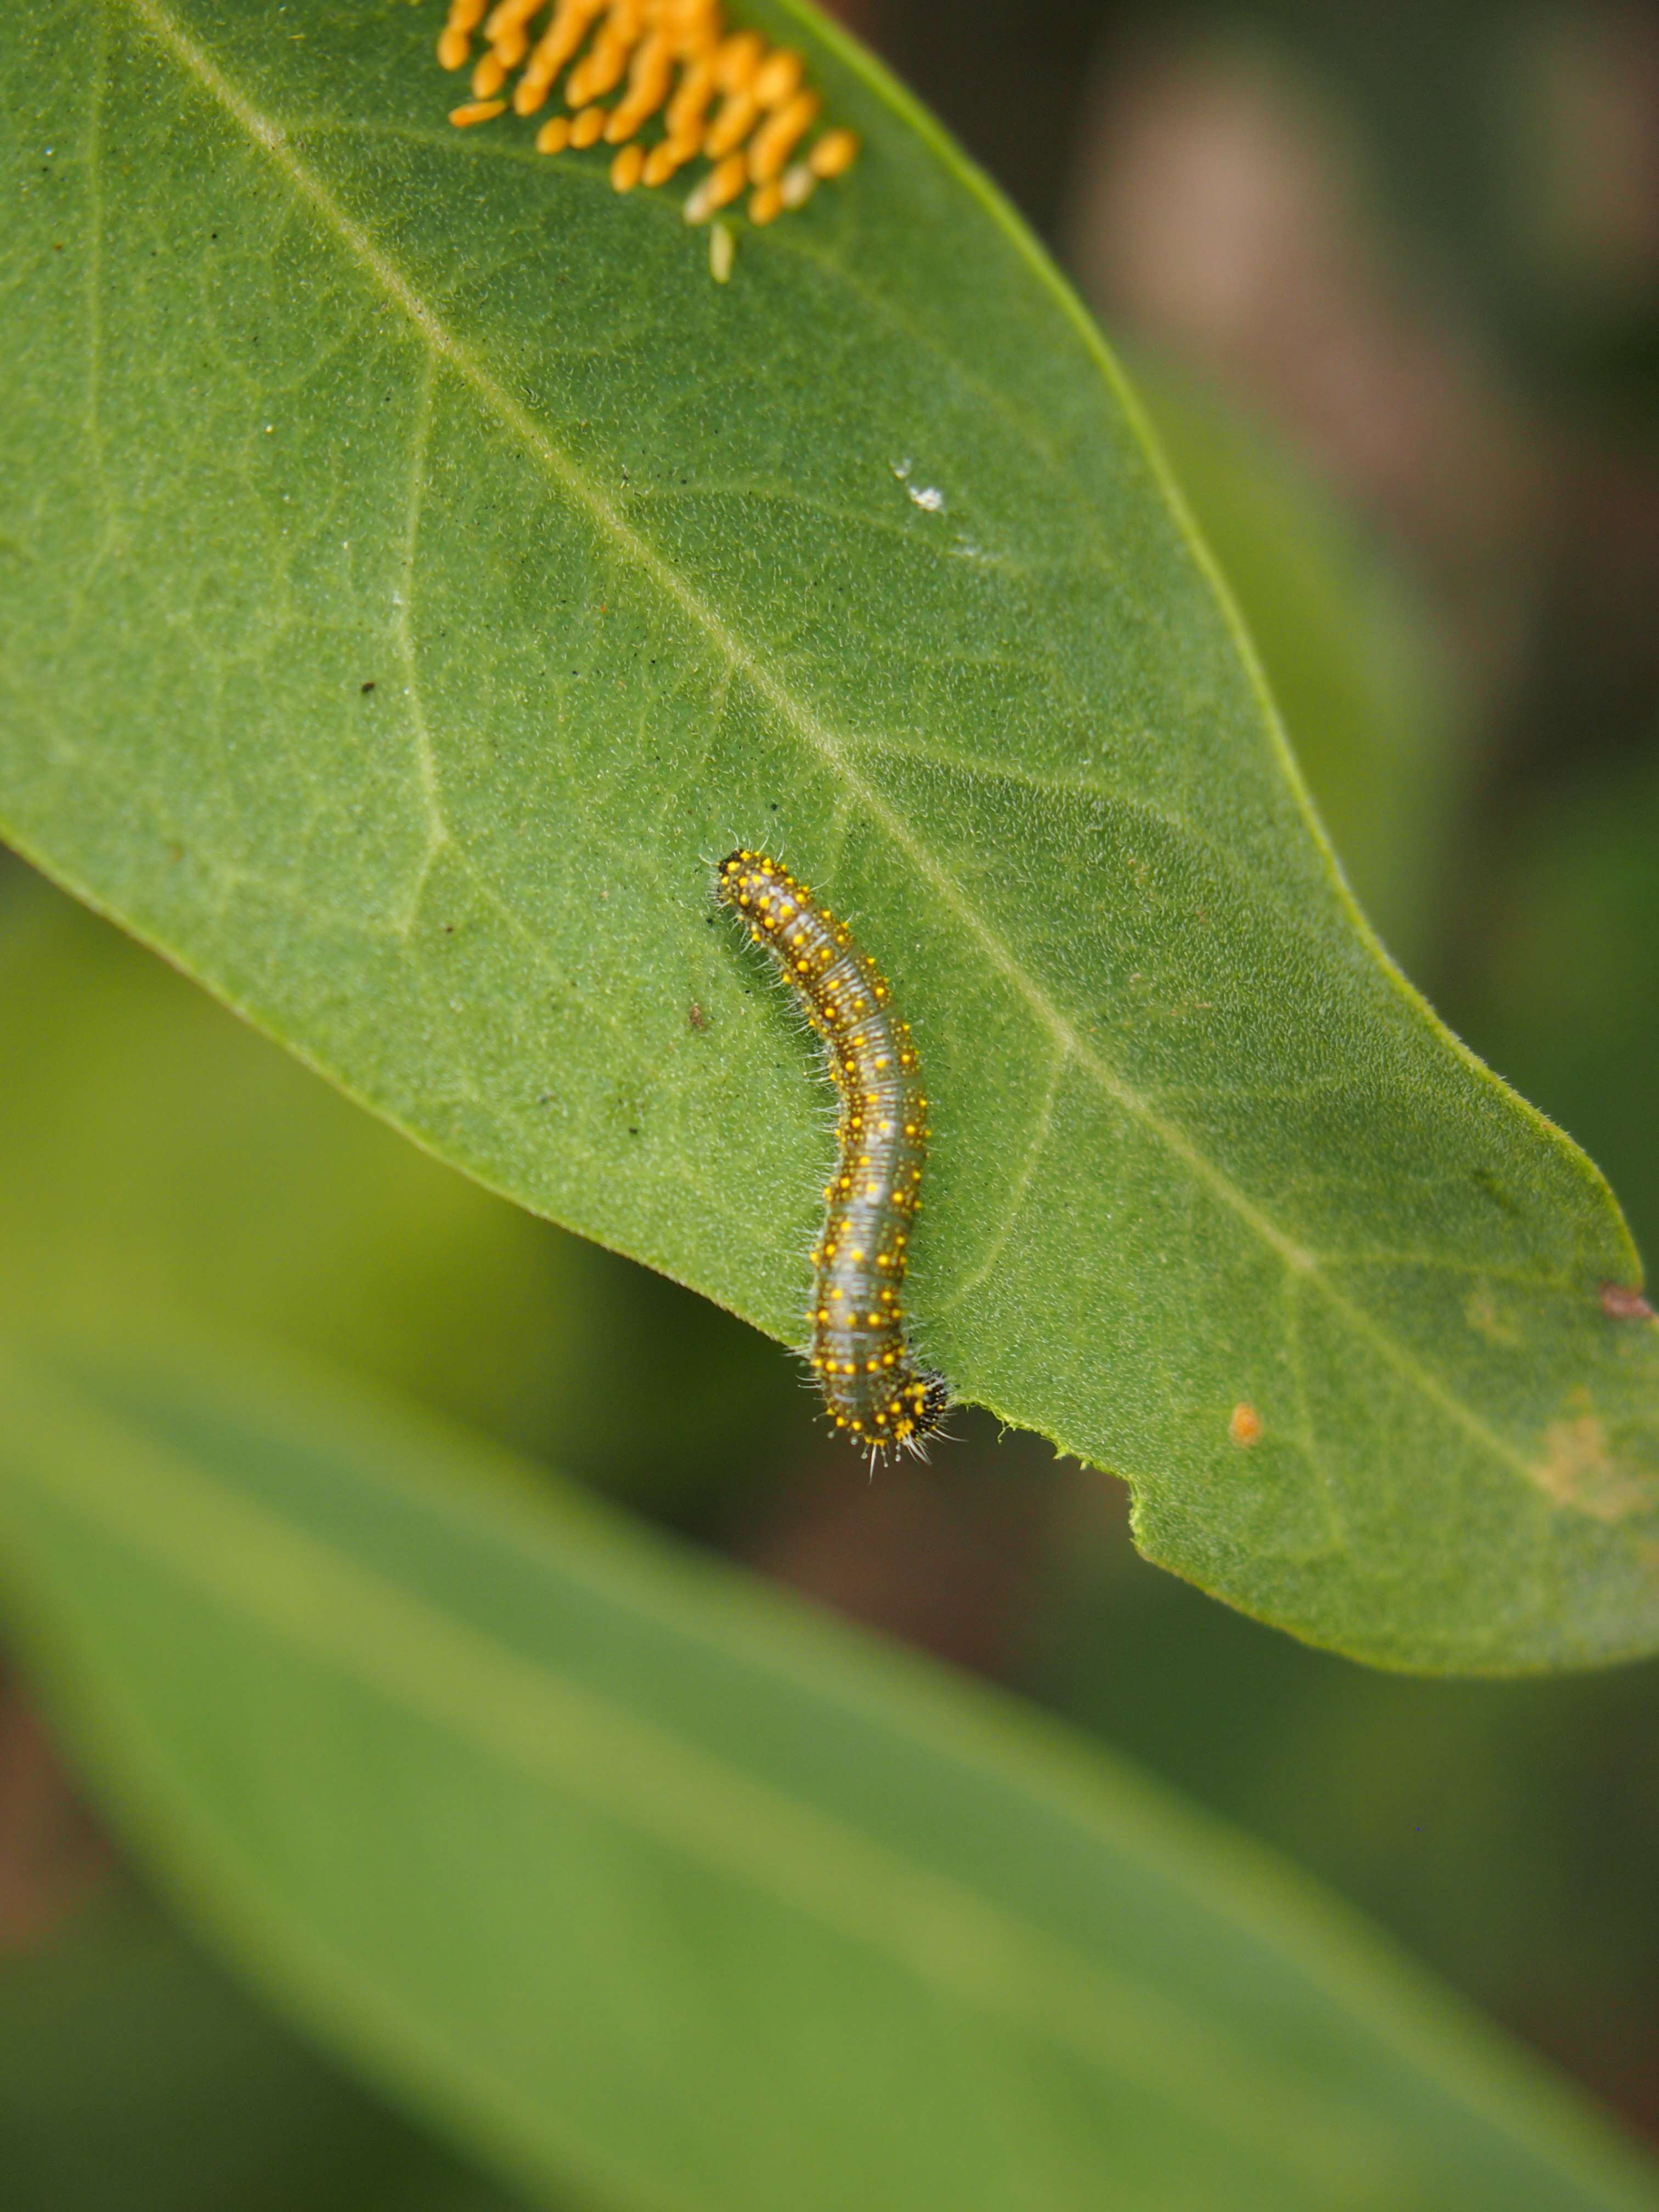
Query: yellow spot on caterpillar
{"x": 868, "y": 1373}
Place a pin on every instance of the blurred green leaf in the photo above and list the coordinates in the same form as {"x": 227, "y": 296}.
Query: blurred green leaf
{"x": 134, "y": 2078}
{"x": 862, "y": 554}
{"x": 639, "y": 1879}
{"x": 1506, "y": 1832}
{"x": 157, "y": 1157}
{"x": 1561, "y": 981}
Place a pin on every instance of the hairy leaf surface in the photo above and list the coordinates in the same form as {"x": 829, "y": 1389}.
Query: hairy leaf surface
{"x": 862, "y": 556}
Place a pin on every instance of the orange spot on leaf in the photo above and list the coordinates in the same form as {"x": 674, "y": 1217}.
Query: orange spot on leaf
{"x": 1245, "y": 1426}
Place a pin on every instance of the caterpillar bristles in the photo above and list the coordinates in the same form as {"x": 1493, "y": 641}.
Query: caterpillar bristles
{"x": 876, "y": 1392}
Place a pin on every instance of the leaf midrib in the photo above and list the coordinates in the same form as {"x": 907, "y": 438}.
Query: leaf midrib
{"x": 818, "y": 735}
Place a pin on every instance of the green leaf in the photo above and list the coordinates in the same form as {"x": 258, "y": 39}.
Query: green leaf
{"x": 319, "y": 392}
{"x": 158, "y": 1158}
{"x": 136, "y": 2078}
{"x": 648, "y": 1883}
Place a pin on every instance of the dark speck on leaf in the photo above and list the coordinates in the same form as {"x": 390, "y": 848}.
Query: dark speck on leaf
{"x": 369, "y": 686}
{"x": 695, "y": 1016}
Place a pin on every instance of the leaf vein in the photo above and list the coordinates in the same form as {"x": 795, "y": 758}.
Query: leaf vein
{"x": 819, "y": 737}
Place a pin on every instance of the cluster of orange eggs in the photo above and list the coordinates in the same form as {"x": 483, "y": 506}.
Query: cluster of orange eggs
{"x": 724, "y": 97}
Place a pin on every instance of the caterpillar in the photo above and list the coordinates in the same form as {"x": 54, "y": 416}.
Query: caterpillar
{"x": 874, "y": 1389}
{"x": 726, "y": 97}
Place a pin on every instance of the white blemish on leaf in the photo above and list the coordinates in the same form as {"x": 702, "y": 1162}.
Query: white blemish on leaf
{"x": 927, "y": 496}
